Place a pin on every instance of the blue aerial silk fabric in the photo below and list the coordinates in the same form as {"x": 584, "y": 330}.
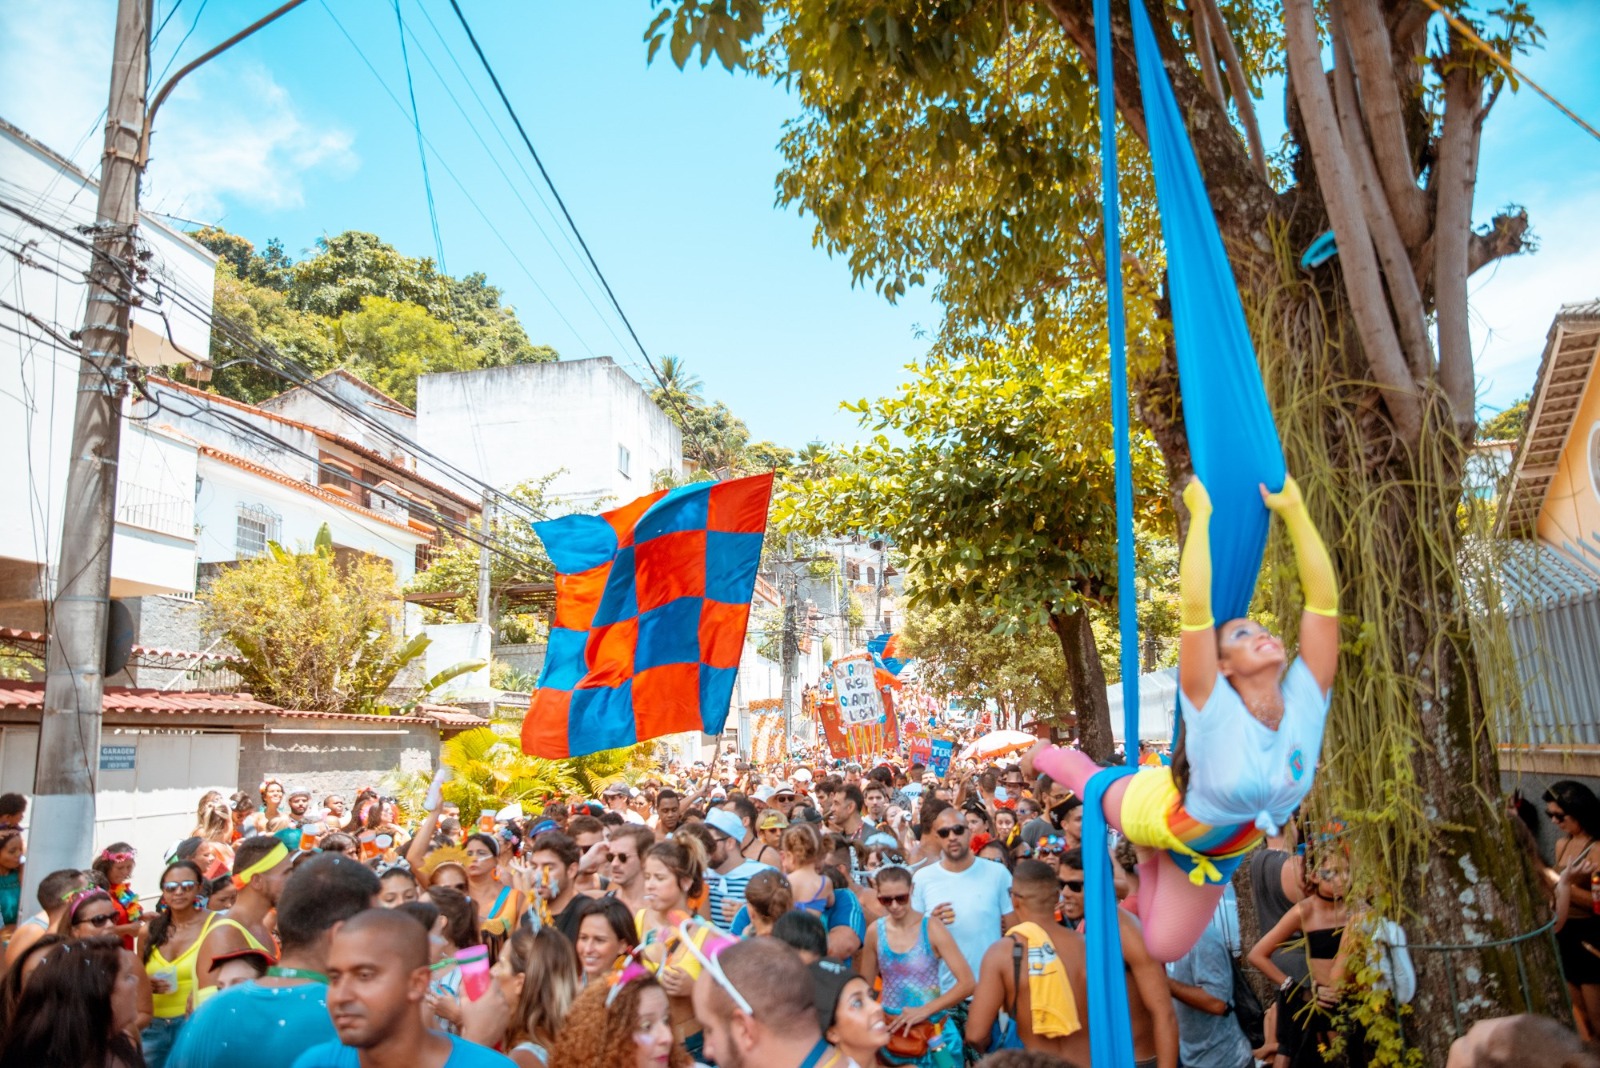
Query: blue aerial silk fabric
{"x": 1232, "y": 439}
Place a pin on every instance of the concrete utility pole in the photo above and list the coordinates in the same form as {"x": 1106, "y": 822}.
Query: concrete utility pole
{"x": 790, "y": 653}
{"x": 69, "y": 732}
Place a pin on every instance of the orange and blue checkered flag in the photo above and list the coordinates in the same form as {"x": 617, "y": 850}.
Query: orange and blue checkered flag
{"x": 652, "y": 603}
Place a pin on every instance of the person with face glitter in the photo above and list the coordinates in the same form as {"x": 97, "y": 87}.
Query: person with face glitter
{"x": 1250, "y": 740}
{"x": 622, "y": 1024}
{"x": 272, "y": 817}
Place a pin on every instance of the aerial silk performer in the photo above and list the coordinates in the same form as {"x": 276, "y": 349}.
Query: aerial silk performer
{"x": 1251, "y": 738}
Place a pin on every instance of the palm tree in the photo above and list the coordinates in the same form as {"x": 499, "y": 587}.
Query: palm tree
{"x": 679, "y": 384}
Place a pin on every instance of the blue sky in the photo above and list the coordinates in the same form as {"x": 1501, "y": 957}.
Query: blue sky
{"x": 669, "y": 175}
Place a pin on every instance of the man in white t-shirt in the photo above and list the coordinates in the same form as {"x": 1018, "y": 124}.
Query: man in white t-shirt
{"x": 969, "y": 895}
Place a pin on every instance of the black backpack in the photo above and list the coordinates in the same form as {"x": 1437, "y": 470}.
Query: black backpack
{"x": 1247, "y": 1007}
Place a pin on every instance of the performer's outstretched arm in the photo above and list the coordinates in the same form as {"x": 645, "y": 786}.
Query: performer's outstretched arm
{"x": 1197, "y": 650}
{"x": 1319, "y": 623}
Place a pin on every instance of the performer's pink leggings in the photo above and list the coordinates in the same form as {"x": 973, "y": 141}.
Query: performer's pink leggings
{"x": 1172, "y": 910}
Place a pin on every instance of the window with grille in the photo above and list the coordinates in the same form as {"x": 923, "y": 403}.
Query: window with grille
{"x": 254, "y": 527}
{"x": 624, "y": 461}
{"x": 854, "y": 572}
{"x": 335, "y": 474}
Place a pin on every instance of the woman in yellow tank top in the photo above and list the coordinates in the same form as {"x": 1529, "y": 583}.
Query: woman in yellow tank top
{"x": 169, "y": 948}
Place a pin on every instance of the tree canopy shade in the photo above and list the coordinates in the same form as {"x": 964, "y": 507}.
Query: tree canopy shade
{"x": 953, "y": 144}
{"x": 358, "y": 303}
{"x": 997, "y": 485}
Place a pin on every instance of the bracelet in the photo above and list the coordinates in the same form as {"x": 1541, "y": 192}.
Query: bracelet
{"x": 1286, "y": 985}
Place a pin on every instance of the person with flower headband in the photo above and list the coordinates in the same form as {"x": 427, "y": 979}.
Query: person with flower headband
{"x": 674, "y": 872}
{"x": 114, "y": 866}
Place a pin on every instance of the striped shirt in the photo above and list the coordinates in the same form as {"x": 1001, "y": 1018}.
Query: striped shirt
{"x": 727, "y": 892}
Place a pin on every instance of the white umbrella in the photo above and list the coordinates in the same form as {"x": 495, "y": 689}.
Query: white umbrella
{"x": 997, "y": 744}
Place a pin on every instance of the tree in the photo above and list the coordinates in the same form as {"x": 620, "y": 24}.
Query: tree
{"x": 956, "y": 141}
{"x": 454, "y": 567}
{"x": 316, "y": 633}
{"x": 391, "y": 344}
{"x": 713, "y": 437}
{"x": 999, "y": 492}
{"x": 960, "y": 653}
{"x": 356, "y": 302}
{"x": 1507, "y": 425}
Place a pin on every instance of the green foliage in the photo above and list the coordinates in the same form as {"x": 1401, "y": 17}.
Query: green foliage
{"x": 491, "y": 771}
{"x": 390, "y": 344}
{"x": 713, "y": 437}
{"x": 1507, "y": 424}
{"x": 357, "y": 302}
{"x": 962, "y": 653}
{"x": 454, "y": 567}
{"x": 502, "y": 676}
{"x": 316, "y": 633}
{"x": 997, "y": 484}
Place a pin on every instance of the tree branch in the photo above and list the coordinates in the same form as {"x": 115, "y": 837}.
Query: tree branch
{"x": 1241, "y": 199}
{"x": 1206, "y": 53}
{"x": 1380, "y": 103}
{"x": 1236, "y": 81}
{"x": 1404, "y": 295}
{"x": 1463, "y": 93}
{"x": 1342, "y": 198}
{"x": 1507, "y": 236}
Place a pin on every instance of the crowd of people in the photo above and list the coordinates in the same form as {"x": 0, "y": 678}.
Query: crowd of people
{"x": 802, "y": 914}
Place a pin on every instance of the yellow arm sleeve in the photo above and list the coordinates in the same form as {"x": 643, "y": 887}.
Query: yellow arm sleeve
{"x": 1194, "y": 566}
{"x": 1317, "y": 580}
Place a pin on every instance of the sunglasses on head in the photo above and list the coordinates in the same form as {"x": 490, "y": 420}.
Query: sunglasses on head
{"x": 175, "y": 887}
{"x": 1075, "y": 885}
{"x": 894, "y": 899}
{"x": 947, "y": 832}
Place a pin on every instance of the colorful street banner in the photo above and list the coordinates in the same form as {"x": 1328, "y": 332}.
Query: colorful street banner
{"x": 855, "y": 687}
{"x": 766, "y": 737}
{"x": 919, "y": 749}
{"x": 942, "y": 751}
{"x": 860, "y": 742}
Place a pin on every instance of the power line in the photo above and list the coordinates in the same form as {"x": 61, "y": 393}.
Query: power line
{"x": 584, "y": 245}
{"x": 422, "y": 152}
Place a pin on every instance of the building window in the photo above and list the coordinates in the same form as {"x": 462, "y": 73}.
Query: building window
{"x": 624, "y": 461}
{"x": 872, "y": 577}
{"x": 255, "y": 526}
{"x": 1594, "y": 458}
{"x": 854, "y": 572}
{"x": 335, "y": 474}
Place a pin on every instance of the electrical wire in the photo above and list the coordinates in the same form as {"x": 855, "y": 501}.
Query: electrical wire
{"x": 584, "y": 245}
{"x": 422, "y": 151}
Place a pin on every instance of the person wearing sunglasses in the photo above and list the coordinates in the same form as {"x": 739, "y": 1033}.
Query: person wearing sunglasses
{"x": 1575, "y": 812}
{"x": 89, "y": 912}
{"x": 906, "y": 950}
{"x": 969, "y": 895}
{"x": 169, "y": 950}
{"x": 1155, "y": 1023}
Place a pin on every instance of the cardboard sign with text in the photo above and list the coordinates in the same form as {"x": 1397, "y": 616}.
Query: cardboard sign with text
{"x": 943, "y": 750}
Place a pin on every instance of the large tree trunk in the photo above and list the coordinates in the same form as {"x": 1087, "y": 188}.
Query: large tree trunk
{"x": 1087, "y": 678}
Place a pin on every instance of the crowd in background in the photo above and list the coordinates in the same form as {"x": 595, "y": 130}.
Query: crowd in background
{"x": 811, "y": 913}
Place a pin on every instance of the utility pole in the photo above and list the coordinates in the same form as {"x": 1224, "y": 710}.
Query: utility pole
{"x": 485, "y": 625}
{"x": 790, "y": 653}
{"x": 68, "y": 760}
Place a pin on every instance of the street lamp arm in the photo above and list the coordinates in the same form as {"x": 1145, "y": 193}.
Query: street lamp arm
{"x": 172, "y": 82}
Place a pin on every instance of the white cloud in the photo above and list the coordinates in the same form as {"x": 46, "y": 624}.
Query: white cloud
{"x": 229, "y": 134}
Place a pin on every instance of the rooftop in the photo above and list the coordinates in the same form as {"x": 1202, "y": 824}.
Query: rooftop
{"x": 1571, "y": 351}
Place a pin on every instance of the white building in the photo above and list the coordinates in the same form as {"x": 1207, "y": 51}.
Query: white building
{"x": 44, "y": 201}
{"x": 586, "y": 418}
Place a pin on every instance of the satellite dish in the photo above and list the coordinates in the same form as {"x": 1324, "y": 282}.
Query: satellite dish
{"x": 119, "y": 638}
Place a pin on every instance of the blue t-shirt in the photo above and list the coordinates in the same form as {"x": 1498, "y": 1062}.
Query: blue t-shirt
{"x": 463, "y": 1054}
{"x": 254, "y": 1026}
{"x": 1204, "y": 1040}
{"x": 845, "y": 912}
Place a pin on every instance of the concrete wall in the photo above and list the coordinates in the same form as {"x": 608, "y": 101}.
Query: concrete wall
{"x": 510, "y": 424}
{"x": 152, "y": 805}
{"x": 225, "y": 488}
{"x": 1571, "y": 511}
{"x": 337, "y": 756}
{"x": 450, "y": 644}
{"x": 305, "y": 406}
